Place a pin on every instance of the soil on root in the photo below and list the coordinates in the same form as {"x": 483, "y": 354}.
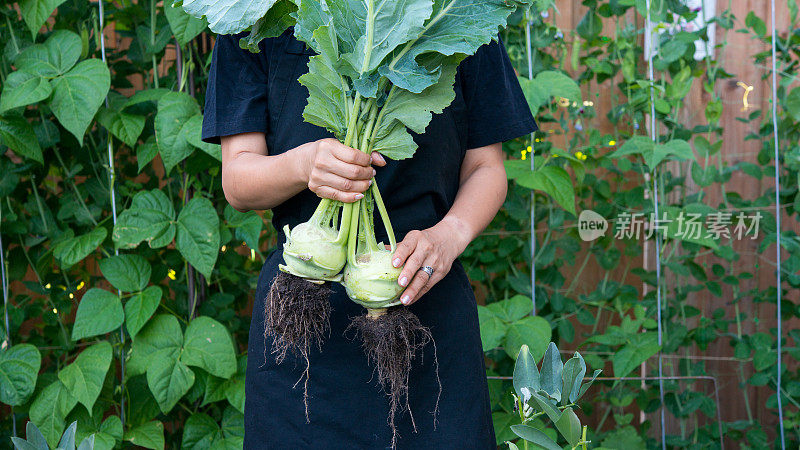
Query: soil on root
{"x": 297, "y": 318}
{"x": 392, "y": 340}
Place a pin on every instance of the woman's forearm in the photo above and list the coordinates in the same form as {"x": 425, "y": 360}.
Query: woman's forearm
{"x": 253, "y": 181}
{"x": 481, "y": 193}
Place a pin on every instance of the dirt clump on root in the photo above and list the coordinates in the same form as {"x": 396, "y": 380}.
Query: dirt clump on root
{"x": 297, "y": 318}
{"x": 391, "y": 341}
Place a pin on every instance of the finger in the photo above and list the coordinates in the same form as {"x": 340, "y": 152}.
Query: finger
{"x": 405, "y": 248}
{"x": 420, "y": 282}
{"x": 378, "y": 159}
{"x": 413, "y": 264}
{"x": 329, "y": 192}
{"x": 350, "y": 155}
{"x": 343, "y": 184}
{"x": 434, "y": 279}
{"x": 349, "y": 171}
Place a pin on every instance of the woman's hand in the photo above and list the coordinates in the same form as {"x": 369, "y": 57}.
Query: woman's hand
{"x": 339, "y": 172}
{"x": 437, "y": 247}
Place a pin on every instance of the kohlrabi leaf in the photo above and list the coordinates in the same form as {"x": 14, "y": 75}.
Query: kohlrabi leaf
{"x": 369, "y": 30}
{"x": 229, "y": 16}
{"x": 405, "y": 109}
{"x": 328, "y": 90}
{"x": 278, "y": 18}
{"x": 455, "y": 26}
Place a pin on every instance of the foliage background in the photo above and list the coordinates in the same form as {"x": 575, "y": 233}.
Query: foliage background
{"x": 80, "y": 317}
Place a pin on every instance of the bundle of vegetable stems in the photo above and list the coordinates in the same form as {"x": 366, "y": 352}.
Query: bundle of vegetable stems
{"x": 298, "y": 319}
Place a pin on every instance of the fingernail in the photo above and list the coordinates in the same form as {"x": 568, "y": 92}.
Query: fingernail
{"x": 370, "y": 182}
{"x": 396, "y": 262}
{"x": 374, "y": 172}
{"x": 404, "y": 300}
{"x": 381, "y": 158}
{"x": 403, "y": 281}
{"x": 359, "y": 196}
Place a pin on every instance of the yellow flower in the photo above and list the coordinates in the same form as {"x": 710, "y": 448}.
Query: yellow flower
{"x": 80, "y": 286}
{"x": 612, "y": 143}
{"x": 171, "y": 274}
{"x": 581, "y": 156}
{"x": 47, "y": 286}
{"x": 55, "y": 311}
{"x": 529, "y": 149}
{"x": 71, "y": 295}
{"x": 224, "y": 248}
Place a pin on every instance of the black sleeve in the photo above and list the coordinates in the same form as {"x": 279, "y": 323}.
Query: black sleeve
{"x": 236, "y": 96}
{"x": 496, "y": 108}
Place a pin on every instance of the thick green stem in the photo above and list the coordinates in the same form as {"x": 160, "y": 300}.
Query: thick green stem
{"x": 153, "y": 41}
{"x": 376, "y": 193}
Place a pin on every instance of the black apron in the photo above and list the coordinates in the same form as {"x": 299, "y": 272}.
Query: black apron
{"x": 347, "y": 408}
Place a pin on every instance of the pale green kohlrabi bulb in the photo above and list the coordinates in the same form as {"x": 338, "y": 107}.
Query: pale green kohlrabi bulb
{"x": 317, "y": 250}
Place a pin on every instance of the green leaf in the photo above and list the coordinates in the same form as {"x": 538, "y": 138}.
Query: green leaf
{"x": 454, "y": 27}
{"x": 641, "y": 346}
{"x": 209, "y": 346}
{"x": 756, "y": 23}
{"x": 140, "y": 308}
{"x": 191, "y": 132}
{"x": 22, "y": 88}
{"x": 160, "y": 335}
{"x": 73, "y": 250}
{"x": 792, "y": 104}
{"x": 571, "y": 378}
{"x": 78, "y": 94}
{"x": 18, "y": 135}
{"x": 109, "y": 433}
{"x": 273, "y": 24}
{"x": 404, "y": 109}
{"x": 84, "y": 377}
{"x": 585, "y": 387}
{"x": 54, "y": 57}
{"x": 228, "y": 16}
{"x": 124, "y": 126}
{"x": 184, "y": 26}
{"x": 146, "y": 152}
{"x": 493, "y": 330}
{"x": 248, "y": 225}
{"x": 127, "y": 272}
{"x": 198, "y": 234}
{"x": 150, "y": 218}
{"x": 36, "y": 12}
{"x": 149, "y": 435}
{"x": 590, "y": 26}
{"x": 174, "y": 110}
{"x": 99, "y": 312}
{"x": 552, "y": 367}
{"x": 554, "y": 181}
{"x": 200, "y": 432}
{"x": 512, "y": 309}
{"x": 19, "y": 367}
{"x": 169, "y": 379}
{"x": 558, "y": 84}
{"x": 535, "y": 436}
{"x": 533, "y": 331}
{"x": 50, "y": 409}
{"x": 653, "y": 153}
{"x": 569, "y": 426}
{"x": 526, "y": 375}
{"x": 546, "y": 406}
{"x": 234, "y": 388}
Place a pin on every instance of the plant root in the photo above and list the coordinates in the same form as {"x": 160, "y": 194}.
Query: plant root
{"x": 391, "y": 340}
{"x": 297, "y": 318}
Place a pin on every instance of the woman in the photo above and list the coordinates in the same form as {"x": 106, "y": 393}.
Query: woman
{"x": 438, "y": 202}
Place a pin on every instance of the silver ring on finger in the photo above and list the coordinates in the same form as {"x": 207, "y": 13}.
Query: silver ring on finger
{"x": 428, "y": 270}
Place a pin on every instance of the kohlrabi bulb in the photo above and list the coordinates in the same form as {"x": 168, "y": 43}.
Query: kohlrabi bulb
{"x": 371, "y": 280}
{"x": 313, "y": 251}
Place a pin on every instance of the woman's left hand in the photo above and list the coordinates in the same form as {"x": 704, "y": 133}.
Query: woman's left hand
{"x": 436, "y": 247}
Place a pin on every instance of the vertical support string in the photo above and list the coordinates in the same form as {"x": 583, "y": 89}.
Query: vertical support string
{"x": 5, "y": 316}
{"x": 777, "y": 218}
{"x": 529, "y": 51}
{"x": 654, "y": 137}
{"x": 112, "y": 179}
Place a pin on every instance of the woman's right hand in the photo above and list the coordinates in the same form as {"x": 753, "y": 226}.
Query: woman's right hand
{"x": 339, "y": 172}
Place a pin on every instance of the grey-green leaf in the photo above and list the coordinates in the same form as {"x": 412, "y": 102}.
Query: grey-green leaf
{"x": 552, "y": 368}
{"x": 140, "y": 308}
{"x": 99, "y": 312}
{"x": 571, "y": 378}
{"x": 126, "y": 272}
{"x": 84, "y": 377}
{"x": 535, "y": 436}
{"x": 526, "y": 375}
{"x": 209, "y": 346}
{"x": 78, "y": 94}
{"x": 22, "y": 88}
{"x": 19, "y": 366}
{"x": 228, "y": 16}
{"x": 198, "y": 234}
